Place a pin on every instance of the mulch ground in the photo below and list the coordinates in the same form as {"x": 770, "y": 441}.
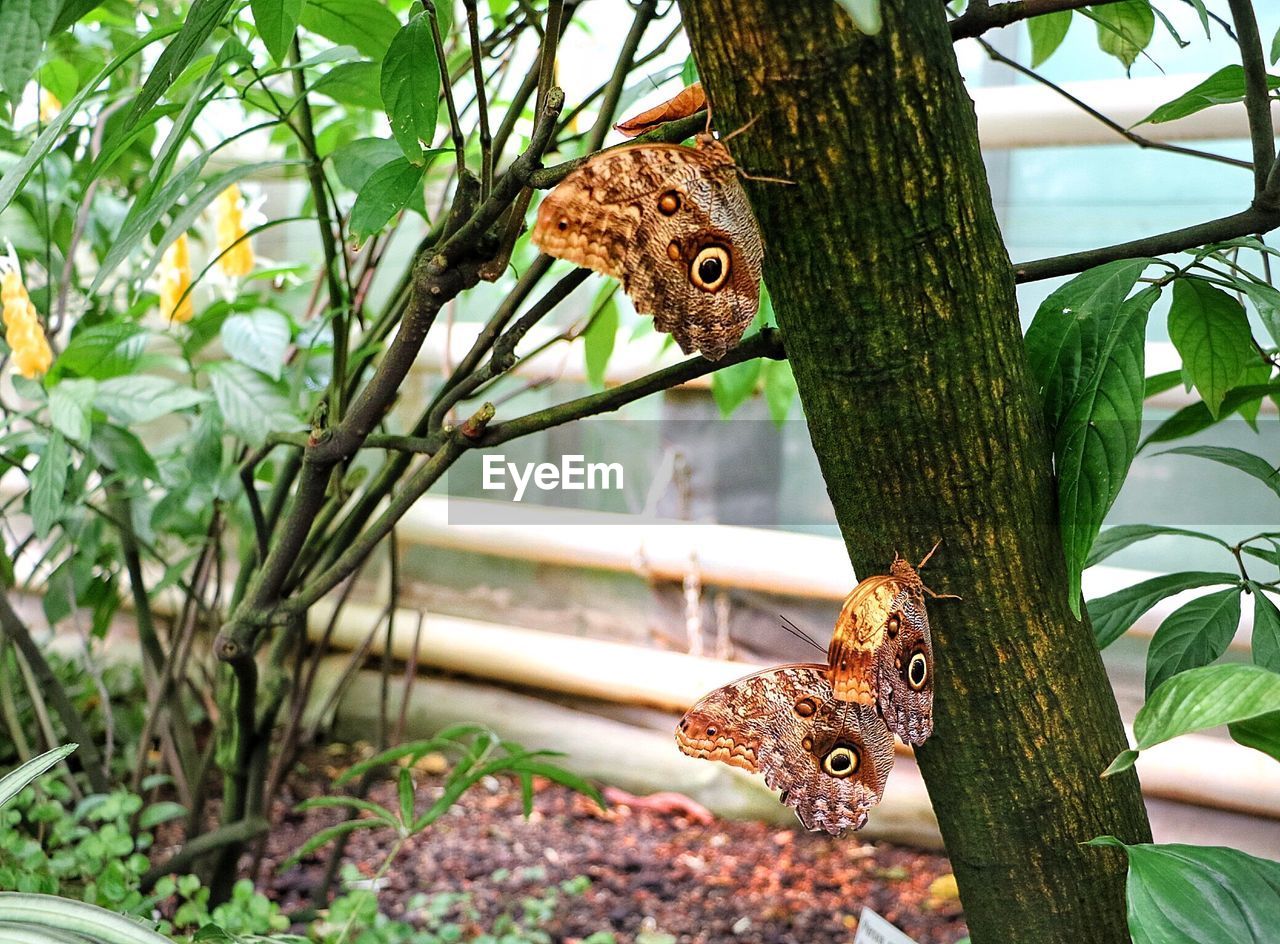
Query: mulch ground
{"x": 656, "y": 875}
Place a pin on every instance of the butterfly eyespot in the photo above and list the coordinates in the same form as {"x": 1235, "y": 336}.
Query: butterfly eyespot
{"x": 842, "y": 761}
{"x": 710, "y": 268}
{"x": 711, "y": 731}
{"x": 669, "y": 203}
{"x": 918, "y": 671}
{"x": 806, "y": 707}
{"x": 673, "y": 251}
{"x": 562, "y": 225}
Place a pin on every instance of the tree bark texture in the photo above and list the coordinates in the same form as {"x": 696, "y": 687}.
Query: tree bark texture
{"x": 896, "y": 299}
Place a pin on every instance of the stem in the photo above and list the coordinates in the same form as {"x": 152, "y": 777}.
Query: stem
{"x": 1257, "y": 95}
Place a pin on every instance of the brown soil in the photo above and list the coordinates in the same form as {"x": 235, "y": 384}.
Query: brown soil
{"x": 656, "y": 875}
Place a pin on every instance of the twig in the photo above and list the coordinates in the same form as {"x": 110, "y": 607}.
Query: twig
{"x": 1115, "y": 126}
{"x": 455, "y": 129}
{"x": 1257, "y": 95}
{"x": 644, "y": 14}
{"x": 482, "y": 107}
{"x": 980, "y": 19}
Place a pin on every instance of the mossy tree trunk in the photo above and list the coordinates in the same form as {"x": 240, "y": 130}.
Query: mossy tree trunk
{"x": 896, "y": 298}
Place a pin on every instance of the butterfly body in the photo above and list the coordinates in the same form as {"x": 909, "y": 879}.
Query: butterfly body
{"x": 671, "y": 223}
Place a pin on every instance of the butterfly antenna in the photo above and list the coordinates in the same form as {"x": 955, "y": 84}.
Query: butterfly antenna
{"x": 920, "y": 566}
{"x": 799, "y": 633}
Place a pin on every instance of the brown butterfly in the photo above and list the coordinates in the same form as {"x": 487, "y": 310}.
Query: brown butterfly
{"x": 674, "y": 225}
{"x": 881, "y": 652}
{"x": 829, "y": 758}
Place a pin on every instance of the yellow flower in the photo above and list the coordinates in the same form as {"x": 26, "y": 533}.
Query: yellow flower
{"x": 22, "y": 329}
{"x": 49, "y": 105}
{"x": 175, "y": 278}
{"x": 236, "y": 258}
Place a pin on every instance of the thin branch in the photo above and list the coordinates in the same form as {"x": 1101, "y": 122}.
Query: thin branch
{"x": 455, "y": 129}
{"x": 482, "y": 107}
{"x": 1257, "y": 95}
{"x": 644, "y": 14}
{"x": 1115, "y": 126}
{"x": 980, "y": 19}
{"x": 767, "y": 343}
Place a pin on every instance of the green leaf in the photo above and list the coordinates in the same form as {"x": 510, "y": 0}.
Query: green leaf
{"x": 1124, "y": 29}
{"x": 733, "y": 386}
{"x": 120, "y": 451}
{"x": 1261, "y": 733}
{"x": 102, "y": 351}
{"x": 326, "y": 836}
{"x": 354, "y": 84}
{"x": 1116, "y": 612}
{"x": 864, "y": 13}
{"x": 1266, "y": 301}
{"x": 259, "y": 339}
{"x": 253, "y": 406}
{"x": 1195, "y": 418}
{"x": 201, "y": 20}
{"x": 1266, "y": 632}
{"x": 689, "y": 72}
{"x": 140, "y": 399}
{"x": 387, "y": 191}
{"x": 48, "y": 485}
{"x": 1180, "y": 894}
{"x": 25, "y": 25}
{"x": 70, "y": 405}
{"x": 405, "y": 789}
{"x": 57, "y": 918}
{"x": 411, "y": 87}
{"x": 163, "y": 811}
{"x": 12, "y": 783}
{"x": 1193, "y": 635}
{"x": 1246, "y": 462}
{"x": 1159, "y": 383}
{"x": 1047, "y": 33}
{"x": 366, "y": 24}
{"x": 1204, "y": 698}
{"x": 276, "y": 21}
{"x": 779, "y": 390}
{"x": 356, "y": 161}
{"x": 1211, "y": 332}
{"x": 598, "y": 340}
{"x": 60, "y": 78}
{"x": 1223, "y": 87}
{"x": 1275, "y": 47}
{"x": 1121, "y": 536}
{"x": 1086, "y": 350}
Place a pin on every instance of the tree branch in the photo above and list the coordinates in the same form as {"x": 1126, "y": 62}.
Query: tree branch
{"x": 1257, "y": 95}
{"x": 980, "y": 19}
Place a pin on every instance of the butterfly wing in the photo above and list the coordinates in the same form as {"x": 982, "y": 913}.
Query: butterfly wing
{"x": 829, "y": 758}
{"x": 905, "y": 670}
{"x": 859, "y": 637}
{"x": 674, "y": 225}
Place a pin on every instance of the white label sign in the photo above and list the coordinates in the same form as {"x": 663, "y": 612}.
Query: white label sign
{"x": 873, "y": 929}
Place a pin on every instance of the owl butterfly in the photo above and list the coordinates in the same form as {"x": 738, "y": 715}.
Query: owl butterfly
{"x": 881, "y": 652}
{"x": 674, "y": 225}
{"x": 830, "y": 758}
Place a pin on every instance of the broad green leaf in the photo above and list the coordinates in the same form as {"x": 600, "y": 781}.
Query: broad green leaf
{"x": 1223, "y": 87}
{"x": 1180, "y": 894}
{"x": 140, "y": 399}
{"x": 1256, "y": 374}
{"x": 164, "y": 811}
{"x": 387, "y": 191}
{"x": 354, "y": 84}
{"x": 1124, "y": 29}
{"x": 70, "y": 406}
{"x": 1275, "y": 47}
{"x": 1116, "y": 612}
{"x": 118, "y": 450}
{"x": 1266, "y": 301}
{"x": 72, "y": 12}
{"x": 1086, "y": 350}
{"x": 689, "y": 73}
{"x": 779, "y": 389}
{"x": 366, "y": 24}
{"x": 1047, "y": 33}
{"x": 1261, "y": 733}
{"x": 16, "y": 176}
{"x": 201, "y": 20}
{"x": 1266, "y": 632}
{"x": 598, "y": 340}
{"x": 60, "y": 78}
{"x": 356, "y": 161}
{"x": 1159, "y": 383}
{"x": 411, "y": 87}
{"x": 1193, "y": 635}
{"x": 56, "y": 918}
{"x": 1202, "y": 698}
{"x": 25, "y": 25}
{"x": 864, "y": 13}
{"x": 1211, "y": 332}
{"x": 1121, "y": 536}
{"x": 733, "y": 386}
{"x": 1246, "y": 462}
{"x": 102, "y": 351}
{"x": 253, "y": 406}
{"x": 276, "y": 21}
{"x": 1196, "y": 417}
{"x": 48, "y": 485}
{"x": 259, "y": 338}
{"x": 13, "y": 783}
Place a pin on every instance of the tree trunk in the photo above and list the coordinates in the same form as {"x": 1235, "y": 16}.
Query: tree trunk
{"x": 896, "y": 298}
